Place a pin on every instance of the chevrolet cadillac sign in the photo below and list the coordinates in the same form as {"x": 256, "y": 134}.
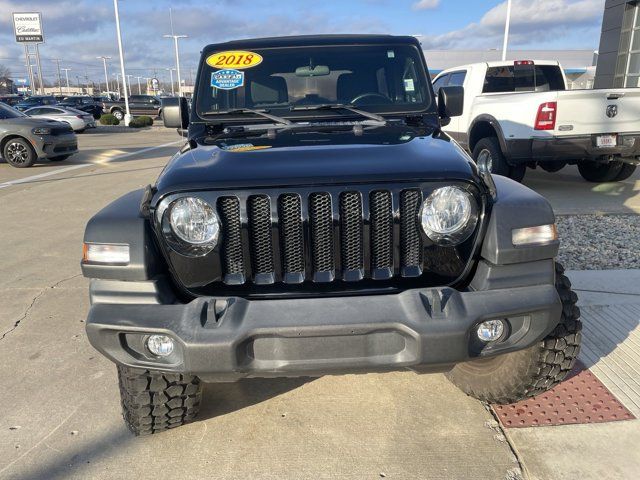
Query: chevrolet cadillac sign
{"x": 28, "y": 27}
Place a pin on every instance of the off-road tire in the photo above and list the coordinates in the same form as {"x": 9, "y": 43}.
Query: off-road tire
{"x": 59, "y": 158}
{"x": 153, "y": 401}
{"x": 499, "y": 164}
{"x": 18, "y": 153}
{"x": 600, "y": 172}
{"x": 515, "y": 376}
{"x": 626, "y": 171}
{"x": 119, "y": 114}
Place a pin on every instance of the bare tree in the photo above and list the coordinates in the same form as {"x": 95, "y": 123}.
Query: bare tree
{"x": 4, "y": 71}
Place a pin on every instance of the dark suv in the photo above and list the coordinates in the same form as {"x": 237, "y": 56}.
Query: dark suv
{"x": 319, "y": 221}
{"x": 35, "y": 101}
{"x": 138, "y": 105}
{"x": 83, "y": 103}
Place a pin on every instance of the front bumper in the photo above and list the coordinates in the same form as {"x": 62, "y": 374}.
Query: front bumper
{"x": 56, "y": 145}
{"x": 224, "y": 339}
{"x": 570, "y": 148}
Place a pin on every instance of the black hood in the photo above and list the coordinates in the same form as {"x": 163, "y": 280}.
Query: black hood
{"x": 383, "y": 154}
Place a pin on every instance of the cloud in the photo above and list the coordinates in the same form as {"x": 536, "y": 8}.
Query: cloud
{"x": 531, "y": 22}
{"x": 426, "y": 4}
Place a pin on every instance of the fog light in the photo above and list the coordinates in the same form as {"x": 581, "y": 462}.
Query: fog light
{"x": 160, "y": 345}
{"x": 491, "y": 330}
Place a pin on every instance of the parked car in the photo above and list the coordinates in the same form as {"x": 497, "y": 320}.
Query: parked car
{"x": 319, "y": 221}
{"x": 84, "y": 103}
{"x": 77, "y": 119}
{"x": 520, "y": 114}
{"x": 11, "y": 99}
{"x": 35, "y": 101}
{"x": 138, "y": 105}
{"x": 24, "y": 140}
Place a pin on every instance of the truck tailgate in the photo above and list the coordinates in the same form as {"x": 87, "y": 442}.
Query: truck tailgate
{"x": 584, "y": 112}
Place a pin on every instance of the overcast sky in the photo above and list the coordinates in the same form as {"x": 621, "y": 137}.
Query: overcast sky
{"x": 79, "y": 30}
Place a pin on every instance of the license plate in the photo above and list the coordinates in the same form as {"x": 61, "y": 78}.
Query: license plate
{"x": 606, "y": 141}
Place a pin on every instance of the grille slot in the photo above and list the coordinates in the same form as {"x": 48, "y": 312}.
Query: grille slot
{"x": 233, "y": 261}
{"x": 292, "y": 235}
{"x": 261, "y": 240}
{"x": 410, "y": 241}
{"x": 321, "y": 232}
{"x": 381, "y": 231}
{"x": 351, "y": 231}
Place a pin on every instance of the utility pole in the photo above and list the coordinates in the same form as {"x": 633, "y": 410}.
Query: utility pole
{"x": 57, "y": 60}
{"x": 175, "y": 44}
{"x": 171, "y": 73}
{"x": 106, "y": 76}
{"x": 127, "y": 116}
{"x": 39, "y": 69}
{"x": 66, "y": 74}
{"x": 506, "y": 31}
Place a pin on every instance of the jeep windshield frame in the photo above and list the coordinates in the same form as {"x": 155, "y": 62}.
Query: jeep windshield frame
{"x": 387, "y": 79}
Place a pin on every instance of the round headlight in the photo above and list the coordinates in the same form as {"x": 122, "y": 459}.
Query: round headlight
{"x": 194, "y": 221}
{"x": 448, "y": 216}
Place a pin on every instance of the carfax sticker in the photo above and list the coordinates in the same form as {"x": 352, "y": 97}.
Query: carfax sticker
{"x": 227, "y": 79}
{"x": 237, "y": 59}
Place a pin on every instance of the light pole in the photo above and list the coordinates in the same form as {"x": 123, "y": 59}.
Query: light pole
{"x": 66, "y": 74}
{"x": 506, "y": 31}
{"x": 106, "y": 76}
{"x": 127, "y": 116}
{"x": 57, "y": 60}
{"x": 171, "y": 73}
{"x": 129, "y": 83}
{"x": 139, "y": 87}
{"x": 175, "y": 43}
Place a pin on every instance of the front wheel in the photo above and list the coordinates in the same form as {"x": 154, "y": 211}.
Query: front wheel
{"x": 515, "y": 376}
{"x": 18, "y": 153}
{"x": 155, "y": 401}
{"x": 600, "y": 172}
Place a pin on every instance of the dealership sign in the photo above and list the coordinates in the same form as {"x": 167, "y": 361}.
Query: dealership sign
{"x": 28, "y": 27}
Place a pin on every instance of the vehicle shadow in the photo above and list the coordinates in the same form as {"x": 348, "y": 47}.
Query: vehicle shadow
{"x": 222, "y": 398}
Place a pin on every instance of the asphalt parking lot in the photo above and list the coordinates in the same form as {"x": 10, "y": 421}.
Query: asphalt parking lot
{"x": 59, "y": 398}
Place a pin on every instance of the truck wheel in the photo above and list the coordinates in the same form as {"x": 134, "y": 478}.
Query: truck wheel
{"x": 600, "y": 172}
{"x": 515, "y": 376}
{"x": 488, "y": 150}
{"x": 18, "y": 153}
{"x": 154, "y": 401}
{"x": 118, "y": 114}
{"x": 626, "y": 171}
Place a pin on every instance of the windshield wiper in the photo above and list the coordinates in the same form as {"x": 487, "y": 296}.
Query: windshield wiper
{"x": 262, "y": 113}
{"x": 340, "y": 106}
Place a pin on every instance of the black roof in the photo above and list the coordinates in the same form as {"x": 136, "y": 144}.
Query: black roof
{"x": 312, "y": 40}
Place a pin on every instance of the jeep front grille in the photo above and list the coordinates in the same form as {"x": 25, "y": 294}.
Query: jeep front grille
{"x": 292, "y": 237}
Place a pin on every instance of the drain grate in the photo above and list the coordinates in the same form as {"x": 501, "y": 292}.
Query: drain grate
{"x": 581, "y": 398}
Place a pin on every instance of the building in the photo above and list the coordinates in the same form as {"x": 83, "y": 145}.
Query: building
{"x": 6, "y": 86}
{"x": 619, "y": 59}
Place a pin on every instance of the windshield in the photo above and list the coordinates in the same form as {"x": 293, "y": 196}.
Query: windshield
{"x": 7, "y": 112}
{"x": 375, "y": 78}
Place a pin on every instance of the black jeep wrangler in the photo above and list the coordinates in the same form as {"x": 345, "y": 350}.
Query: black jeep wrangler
{"x": 318, "y": 221}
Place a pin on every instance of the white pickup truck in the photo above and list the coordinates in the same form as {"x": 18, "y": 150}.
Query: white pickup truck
{"x": 520, "y": 114}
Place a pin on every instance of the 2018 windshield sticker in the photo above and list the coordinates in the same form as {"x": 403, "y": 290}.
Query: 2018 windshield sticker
{"x": 227, "y": 79}
{"x": 238, "y": 59}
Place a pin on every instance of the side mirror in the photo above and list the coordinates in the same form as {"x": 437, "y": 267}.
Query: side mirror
{"x": 175, "y": 112}
{"x": 450, "y": 103}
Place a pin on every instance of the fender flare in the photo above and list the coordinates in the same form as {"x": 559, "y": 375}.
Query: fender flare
{"x": 494, "y": 124}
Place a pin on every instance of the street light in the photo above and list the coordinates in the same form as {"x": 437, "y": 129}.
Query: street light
{"x": 139, "y": 87}
{"x": 129, "y": 83}
{"x": 171, "y": 73}
{"x": 106, "y": 77}
{"x": 506, "y": 31}
{"x": 175, "y": 43}
{"x": 66, "y": 74}
{"x": 127, "y": 116}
